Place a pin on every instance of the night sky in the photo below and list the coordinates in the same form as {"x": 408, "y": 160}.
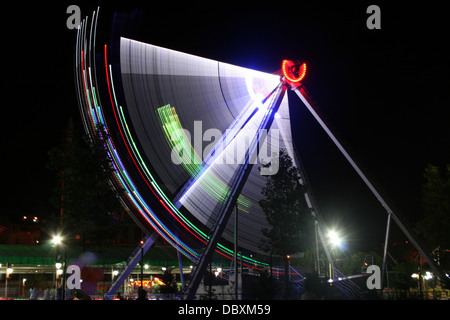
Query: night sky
{"x": 385, "y": 93}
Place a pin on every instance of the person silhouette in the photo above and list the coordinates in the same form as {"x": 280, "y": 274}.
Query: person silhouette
{"x": 142, "y": 294}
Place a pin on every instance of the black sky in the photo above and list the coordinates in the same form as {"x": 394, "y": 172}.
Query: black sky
{"x": 384, "y": 92}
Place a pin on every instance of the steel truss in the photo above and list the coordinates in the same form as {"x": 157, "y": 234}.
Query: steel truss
{"x": 310, "y": 105}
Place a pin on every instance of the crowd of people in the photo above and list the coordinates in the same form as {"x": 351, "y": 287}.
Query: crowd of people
{"x": 50, "y": 293}
{"x": 54, "y": 294}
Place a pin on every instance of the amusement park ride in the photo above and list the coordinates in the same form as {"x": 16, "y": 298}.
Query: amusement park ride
{"x": 144, "y": 96}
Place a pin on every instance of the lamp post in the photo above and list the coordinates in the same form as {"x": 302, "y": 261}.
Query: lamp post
{"x": 59, "y": 271}
{"x": 9, "y": 270}
{"x": 142, "y": 265}
{"x": 335, "y": 241}
{"x": 23, "y": 286}
{"x": 57, "y": 241}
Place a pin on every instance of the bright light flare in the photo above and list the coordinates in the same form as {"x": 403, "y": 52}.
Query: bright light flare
{"x": 57, "y": 239}
{"x": 335, "y": 239}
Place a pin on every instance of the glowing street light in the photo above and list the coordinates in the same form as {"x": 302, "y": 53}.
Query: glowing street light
{"x": 57, "y": 240}
{"x": 9, "y": 270}
{"x": 335, "y": 239}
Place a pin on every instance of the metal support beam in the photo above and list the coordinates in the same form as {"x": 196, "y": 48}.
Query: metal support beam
{"x": 236, "y": 265}
{"x": 180, "y": 265}
{"x": 327, "y": 251}
{"x": 131, "y": 263}
{"x": 318, "y": 221}
{"x": 383, "y": 269}
{"x": 308, "y": 102}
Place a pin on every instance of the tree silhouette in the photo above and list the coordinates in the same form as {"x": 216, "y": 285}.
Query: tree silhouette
{"x": 170, "y": 285}
{"x": 286, "y": 212}
{"x": 88, "y": 210}
{"x": 436, "y": 206}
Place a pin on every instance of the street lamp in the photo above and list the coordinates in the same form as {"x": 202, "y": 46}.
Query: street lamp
{"x": 58, "y": 266}
{"x": 9, "y": 270}
{"x": 218, "y": 271}
{"x": 335, "y": 239}
{"x": 57, "y": 240}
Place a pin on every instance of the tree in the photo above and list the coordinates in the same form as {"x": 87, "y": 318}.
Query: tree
{"x": 286, "y": 212}
{"x": 436, "y": 206}
{"x": 353, "y": 263}
{"x": 170, "y": 285}
{"x": 263, "y": 288}
{"x": 88, "y": 209}
{"x": 402, "y": 279}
